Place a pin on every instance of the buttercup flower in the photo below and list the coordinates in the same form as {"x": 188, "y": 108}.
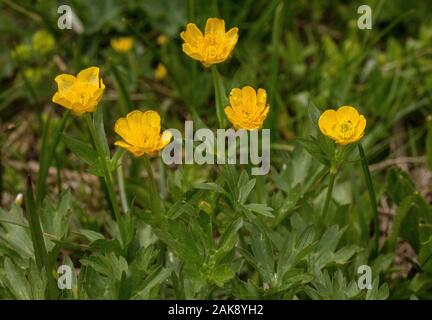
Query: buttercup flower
{"x": 248, "y": 108}
{"x": 344, "y": 126}
{"x": 81, "y": 93}
{"x": 141, "y": 133}
{"x": 160, "y": 72}
{"x": 43, "y": 42}
{"x": 123, "y": 44}
{"x": 162, "y": 40}
{"x": 214, "y": 46}
{"x": 22, "y": 52}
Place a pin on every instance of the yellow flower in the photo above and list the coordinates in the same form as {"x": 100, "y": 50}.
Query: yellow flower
{"x": 248, "y": 108}
{"x": 344, "y": 126}
{"x": 160, "y": 72}
{"x": 43, "y": 42}
{"x": 141, "y": 133}
{"x": 162, "y": 40}
{"x": 214, "y": 46}
{"x": 81, "y": 93}
{"x": 123, "y": 44}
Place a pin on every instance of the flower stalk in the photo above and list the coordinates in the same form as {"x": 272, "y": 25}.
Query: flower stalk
{"x": 333, "y": 173}
{"x": 155, "y": 200}
{"x": 121, "y": 185}
{"x": 107, "y": 175}
{"x": 219, "y": 96}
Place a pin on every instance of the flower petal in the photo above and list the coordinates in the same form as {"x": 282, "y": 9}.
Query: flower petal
{"x": 215, "y": 26}
{"x": 348, "y": 113}
{"x": 89, "y": 75}
{"x": 65, "y": 82}
{"x": 133, "y": 149}
{"x": 165, "y": 138}
{"x": 361, "y": 125}
{"x": 192, "y": 52}
{"x": 78, "y": 109}
{"x": 122, "y": 128}
{"x": 232, "y": 37}
{"x": 151, "y": 119}
{"x": 59, "y": 99}
{"x": 192, "y": 35}
{"x": 235, "y": 98}
{"x": 230, "y": 113}
{"x": 261, "y": 99}
{"x": 249, "y": 99}
{"x": 327, "y": 121}
{"x": 263, "y": 115}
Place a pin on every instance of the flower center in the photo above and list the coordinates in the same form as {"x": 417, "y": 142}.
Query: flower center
{"x": 345, "y": 129}
{"x": 212, "y": 46}
{"x": 81, "y": 93}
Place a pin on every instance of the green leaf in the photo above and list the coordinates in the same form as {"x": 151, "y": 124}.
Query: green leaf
{"x": 98, "y": 120}
{"x": 425, "y": 256}
{"x": 210, "y": 186}
{"x": 228, "y": 239}
{"x": 105, "y": 246}
{"x": 18, "y": 283}
{"x": 260, "y": 208}
{"x": 56, "y": 220}
{"x": 263, "y": 252}
{"x": 245, "y": 190}
{"x": 314, "y": 114}
{"x": 377, "y": 292}
{"x": 314, "y": 148}
{"x": 91, "y": 235}
{"x": 155, "y": 279}
{"x": 82, "y": 150}
{"x": 221, "y": 274}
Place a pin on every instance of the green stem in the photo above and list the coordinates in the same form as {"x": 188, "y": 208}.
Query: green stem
{"x": 219, "y": 96}
{"x": 162, "y": 178}
{"x": 155, "y": 200}
{"x": 121, "y": 184}
{"x": 372, "y": 197}
{"x": 107, "y": 176}
{"x": 329, "y": 194}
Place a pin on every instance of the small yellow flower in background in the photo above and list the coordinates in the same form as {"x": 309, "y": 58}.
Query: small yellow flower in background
{"x": 81, "y": 93}
{"x": 248, "y": 108}
{"x": 34, "y": 75}
{"x": 141, "y": 133}
{"x": 160, "y": 72}
{"x": 43, "y": 42}
{"x": 162, "y": 40}
{"x": 214, "y": 46}
{"x": 22, "y": 52}
{"x": 123, "y": 44}
{"x": 344, "y": 125}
